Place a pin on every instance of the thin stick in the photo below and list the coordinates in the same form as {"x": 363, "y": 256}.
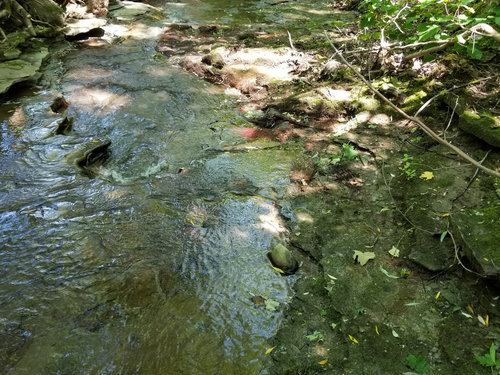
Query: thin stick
{"x": 451, "y": 118}
{"x": 424, "y": 127}
{"x": 458, "y": 258}
{"x": 388, "y": 186}
{"x": 290, "y": 40}
{"x": 471, "y": 180}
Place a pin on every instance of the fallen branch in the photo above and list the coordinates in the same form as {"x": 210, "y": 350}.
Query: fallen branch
{"x": 423, "y": 126}
{"x": 482, "y": 29}
{"x": 428, "y": 51}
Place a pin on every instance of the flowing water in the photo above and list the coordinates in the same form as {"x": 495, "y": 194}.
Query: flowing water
{"x": 148, "y": 267}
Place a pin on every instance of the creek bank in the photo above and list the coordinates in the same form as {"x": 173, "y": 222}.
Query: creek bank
{"x": 22, "y": 52}
{"x": 395, "y": 190}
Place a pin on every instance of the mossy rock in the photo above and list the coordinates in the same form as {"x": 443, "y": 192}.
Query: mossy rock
{"x": 478, "y": 230}
{"x": 483, "y": 125}
{"x": 283, "y": 258}
{"x": 22, "y": 69}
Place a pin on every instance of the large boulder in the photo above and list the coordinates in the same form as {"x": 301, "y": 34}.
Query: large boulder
{"x": 45, "y": 10}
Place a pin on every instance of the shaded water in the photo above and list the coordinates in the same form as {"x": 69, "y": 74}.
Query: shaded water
{"x": 142, "y": 269}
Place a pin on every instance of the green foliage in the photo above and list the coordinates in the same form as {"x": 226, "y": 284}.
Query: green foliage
{"x": 349, "y": 153}
{"x": 431, "y": 20}
{"x": 407, "y": 167}
{"x": 315, "y": 336}
{"x": 489, "y": 359}
{"x": 418, "y": 364}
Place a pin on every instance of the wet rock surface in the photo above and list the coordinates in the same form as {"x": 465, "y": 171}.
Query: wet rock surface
{"x": 395, "y": 194}
{"x": 90, "y": 155}
{"x": 78, "y": 27}
{"x": 21, "y": 69}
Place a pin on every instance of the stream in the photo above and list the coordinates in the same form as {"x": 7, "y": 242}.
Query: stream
{"x": 150, "y": 266}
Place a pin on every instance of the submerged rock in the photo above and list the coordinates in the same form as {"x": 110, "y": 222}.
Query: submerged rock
{"x": 59, "y": 104}
{"x": 283, "y": 259}
{"x": 89, "y": 155}
{"x": 63, "y": 127}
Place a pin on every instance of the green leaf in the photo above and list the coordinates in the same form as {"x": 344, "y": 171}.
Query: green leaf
{"x": 368, "y": 20}
{"x": 443, "y": 235}
{"x": 444, "y": 19}
{"x": 316, "y": 335}
{"x": 350, "y": 153}
{"x": 387, "y": 273}
{"x": 418, "y": 364}
{"x": 475, "y": 53}
{"x": 488, "y": 359}
{"x": 428, "y": 32}
{"x": 394, "y": 251}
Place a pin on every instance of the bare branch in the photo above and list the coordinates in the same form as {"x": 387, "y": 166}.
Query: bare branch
{"x": 423, "y": 126}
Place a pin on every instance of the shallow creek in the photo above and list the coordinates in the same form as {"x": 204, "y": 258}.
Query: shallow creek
{"x": 150, "y": 266}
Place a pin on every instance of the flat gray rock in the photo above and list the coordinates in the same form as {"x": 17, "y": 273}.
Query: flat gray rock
{"x": 129, "y": 10}
{"x": 81, "y": 26}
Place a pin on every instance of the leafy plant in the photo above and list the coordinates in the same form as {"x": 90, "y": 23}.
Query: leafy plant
{"x": 315, "y": 336}
{"x": 349, "y": 153}
{"x": 489, "y": 359}
{"x": 418, "y": 364}
{"x": 407, "y": 167}
{"x": 405, "y": 273}
{"x": 432, "y": 20}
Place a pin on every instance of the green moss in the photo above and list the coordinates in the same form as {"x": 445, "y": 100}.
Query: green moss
{"x": 414, "y": 101}
{"x": 484, "y": 126}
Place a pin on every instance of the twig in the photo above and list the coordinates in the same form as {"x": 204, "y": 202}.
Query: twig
{"x": 388, "y": 186}
{"x": 471, "y": 180}
{"x": 423, "y": 126}
{"x": 458, "y": 258}
{"x": 290, "y": 40}
{"x": 482, "y": 29}
{"x": 451, "y": 118}
{"x": 394, "y": 19}
{"x": 419, "y": 44}
{"x": 445, "y": 91}
{"x": 427, "y": 51}
{"x": 394, "y": 47}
